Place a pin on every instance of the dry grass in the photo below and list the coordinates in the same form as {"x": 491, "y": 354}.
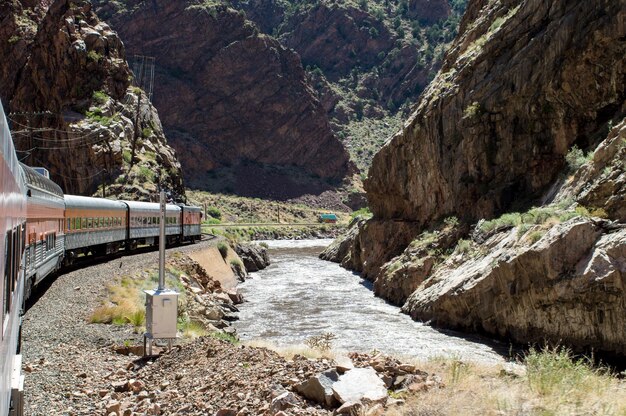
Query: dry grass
{"x": 553, "y": 384}
{"x": 125, "y": 302}
{"x": 290, "y": 351}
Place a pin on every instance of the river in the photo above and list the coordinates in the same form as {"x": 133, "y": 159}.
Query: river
{"x": 299, "y": 296}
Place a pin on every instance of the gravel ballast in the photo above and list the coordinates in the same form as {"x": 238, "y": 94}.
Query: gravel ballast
{"x": 68, "y": 362}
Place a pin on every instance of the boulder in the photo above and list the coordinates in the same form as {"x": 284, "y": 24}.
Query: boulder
{"x": 254, "y": 257}
{"x": 284, "y": 401}
{"x": 320, "y": 388}
{"x": 360, "y": 384}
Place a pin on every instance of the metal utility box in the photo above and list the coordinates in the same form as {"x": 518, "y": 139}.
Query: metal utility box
{"x": 161, "y": 313}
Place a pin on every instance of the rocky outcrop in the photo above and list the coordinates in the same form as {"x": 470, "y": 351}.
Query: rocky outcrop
{"x": 69, "y": 92}
{"x": 254, "y": 257}
{"x": 566, "y": 288}
{"x": 235, "y": 103}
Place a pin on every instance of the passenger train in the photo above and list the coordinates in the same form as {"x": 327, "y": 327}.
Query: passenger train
{"x": 43, "y": 229}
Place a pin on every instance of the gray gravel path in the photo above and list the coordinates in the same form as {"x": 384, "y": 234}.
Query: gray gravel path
{"x": 68, "y": 361}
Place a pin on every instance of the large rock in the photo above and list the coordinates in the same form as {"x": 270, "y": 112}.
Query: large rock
{"x": 320, "y": 388}
{"x": 358, "y": 385}
{"x": 254, "y": 257}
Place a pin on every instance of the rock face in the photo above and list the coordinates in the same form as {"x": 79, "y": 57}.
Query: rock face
{"x": 235, "y": 103}
{"x": 429, "y": 11}
{"x": 65, "y": 79}
{"x": 567, "y": 288}
{"x": 254, "y": 257}
{"x": 508, "y": 103}
{"x": 335, "y": 37}
{"x": 523, "y": 84}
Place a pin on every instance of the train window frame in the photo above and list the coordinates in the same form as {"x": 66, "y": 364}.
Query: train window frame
{"x": 89, "y": 222}
{"x": 6, "y": 298}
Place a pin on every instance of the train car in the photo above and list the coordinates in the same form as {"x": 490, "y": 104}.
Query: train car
{"x": 13, "y": 209}
{"x": 144, "y": 220}
{"x": 191, "y": 220}
{"x": 94, "y": 225}
{"x": 45, "y": 237}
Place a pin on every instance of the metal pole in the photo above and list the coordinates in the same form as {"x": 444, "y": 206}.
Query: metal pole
{"x": 162, "y": 243}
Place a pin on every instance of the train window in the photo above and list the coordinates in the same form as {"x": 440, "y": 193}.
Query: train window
{"x": 89, "y": 222}
{"x": 69, "y": 224}
{"x": 6, "y": 294}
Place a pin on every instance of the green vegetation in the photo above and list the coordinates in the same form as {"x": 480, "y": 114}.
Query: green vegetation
{"x": 463, "y": 246}
{"x": 225, "y": 337}
{"x": 556, "y": 371}
{"x": 93, "y": 56}
{"x": 100, "y": 97}
{"x": 14, "y": 39}
{"x": 146, "y": 132}
{"x": 364, "y": 213}
{"x": 96, "y": 114}
{"x": 576, "y": 158}
{"x": 472, "y": 111}
{"x": 214, "y": 212}
{"x": 223, "y": 249}
{"x": 125, "y": 302}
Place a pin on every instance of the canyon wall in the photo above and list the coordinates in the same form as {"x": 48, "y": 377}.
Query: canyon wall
{"x": 235, "y": 103}
{"x": 73, "y": 109}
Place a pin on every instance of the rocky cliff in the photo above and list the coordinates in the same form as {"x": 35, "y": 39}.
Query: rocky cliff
{"x": 455, "y": 238}
{"x": 73, "y": 109}
{"x": 234, "y": 102}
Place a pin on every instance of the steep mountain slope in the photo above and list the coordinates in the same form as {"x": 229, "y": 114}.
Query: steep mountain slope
{"x": 368, "y": 60}
{"x": 234, "y": 102}
{"x": 73, "y": 109}
{"x": 524, "y": 87}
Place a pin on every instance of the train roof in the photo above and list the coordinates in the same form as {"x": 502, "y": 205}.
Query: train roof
{"x": 85, "y": 202}
{"x": 192, "y": 208}
{"x": 149, "y": 206}
{"x": 37, "y": 181}
{"x": 7, "y": 152}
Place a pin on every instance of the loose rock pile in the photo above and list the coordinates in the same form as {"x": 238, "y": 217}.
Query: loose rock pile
{"x": 214, "y": 377}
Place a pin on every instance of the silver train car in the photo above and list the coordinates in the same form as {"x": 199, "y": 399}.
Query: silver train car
{"x": 94, "y": 225}
{"x": 144, "y": 222}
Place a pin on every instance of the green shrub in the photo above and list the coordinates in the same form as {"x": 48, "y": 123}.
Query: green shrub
{"x": 224, "y": 337}
{"x": 512, "y": 219}
{"x": 214, "y": 212}
{"x": 146, "y": 132}
{"x": 451, "y": 221}
{"x": 223, "y": 249}
{"x": 576, "y": 158}
{"x": 100, "y": 97}
{"x": 463, "y": 246}
{"x": 555, "y": 370}
{"x": 472, "y": 111}
{"x": 535, "y": 236}
{"x": 94, "y": 56}
{"x": 363, "y": 212}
